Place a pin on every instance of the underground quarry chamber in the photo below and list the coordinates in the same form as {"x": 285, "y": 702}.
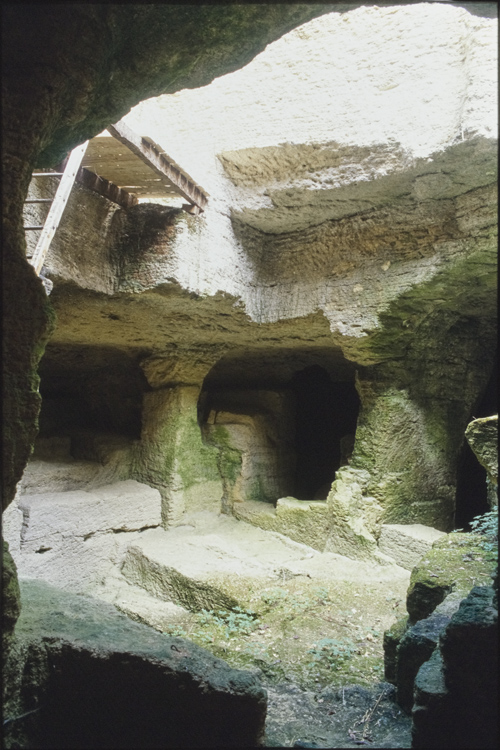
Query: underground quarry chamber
{"x": 264, "y": 425}
{"x": 283, "y": 423}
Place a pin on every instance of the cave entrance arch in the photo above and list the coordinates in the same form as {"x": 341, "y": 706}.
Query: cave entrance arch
{"x": 326, "y": 413}
{"x": 284, "y": 422}
{"x": 91, "y": 403}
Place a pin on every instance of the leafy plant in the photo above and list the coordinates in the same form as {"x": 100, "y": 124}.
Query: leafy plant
{"x": 274, "y": 596}
{"x": 237, "y": 622}
{"x": 486, "y": 525}
{"x": 332, "y": 653}
{"x": 321, "y": 593}
{"x": 255, "y": 649}
{"x": 177, "y": 631}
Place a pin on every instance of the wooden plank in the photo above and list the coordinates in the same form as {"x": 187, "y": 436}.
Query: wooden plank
{"x": 101, "y": 185}
{"x": 160, "y": 163}
{"x": 106, "y": 188}
{"x": 110, "y": 159}
{"x": 57, "y": 207}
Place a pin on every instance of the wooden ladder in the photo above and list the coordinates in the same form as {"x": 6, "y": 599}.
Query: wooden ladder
{"x": 48, "y": 229}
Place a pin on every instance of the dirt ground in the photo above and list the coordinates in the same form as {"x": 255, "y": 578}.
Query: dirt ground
{"x": 314, "y": 638}
{"x": 317, "y": 647}
{"x": 350, "y": 716}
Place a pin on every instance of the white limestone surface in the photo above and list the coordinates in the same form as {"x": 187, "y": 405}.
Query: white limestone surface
{"x": 349, "y": 112}
{"x": 211, "y": 544}
{"x": 49, "y": 519}
{"x": 138, "y": 604}
{"x": 417, "y": 75}
{"x": 407, "y": 543}
{"x": 75, "y": 539}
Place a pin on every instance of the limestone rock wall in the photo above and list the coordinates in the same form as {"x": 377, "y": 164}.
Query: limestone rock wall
{"x": 342, "y": 233}
{"x": 90, "y": 70}
{"x": 172, "y": 456}
{"x": 253, "y": 431}
{"x": 356, "y": 249}
{"x": 482, "y": 436}
{"x": 234, "y": 277}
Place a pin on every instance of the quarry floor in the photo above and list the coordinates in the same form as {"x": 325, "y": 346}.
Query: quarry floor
{"x": 310, "y": 624}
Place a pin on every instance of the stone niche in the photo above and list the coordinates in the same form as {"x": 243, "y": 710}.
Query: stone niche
{"x": 283, "y": 424}
{"x": 90, "y": 419}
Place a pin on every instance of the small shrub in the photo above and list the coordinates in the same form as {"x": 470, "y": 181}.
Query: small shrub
{"x": 486, "y": 526}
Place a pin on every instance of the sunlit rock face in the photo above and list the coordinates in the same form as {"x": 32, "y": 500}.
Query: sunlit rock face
{"x": 350, "y": 227}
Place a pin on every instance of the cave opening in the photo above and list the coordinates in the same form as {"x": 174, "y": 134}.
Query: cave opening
{"x": 326, "y": 413}
{"x": 290, "y": 417}
{"x": 90, "y": 391}
{"x": 472, "y": 488}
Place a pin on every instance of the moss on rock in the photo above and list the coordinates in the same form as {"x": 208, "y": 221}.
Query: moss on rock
{"x": 172, "y": 455}
{"x": 403, "y": 446}
{"x": 11, "y": 597}
{"x": 482, "y": 436}
{"x": 455, "y": 563}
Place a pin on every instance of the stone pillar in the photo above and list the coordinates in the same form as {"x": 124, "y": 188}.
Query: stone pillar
{"x": 409, "y": 449}
{"x": 252, "y": 431}
{"x": 171, "y": 455}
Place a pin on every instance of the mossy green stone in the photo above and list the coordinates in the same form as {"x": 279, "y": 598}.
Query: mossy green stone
{"x": 392, "y": 638}
{"x": 455, "y": 563}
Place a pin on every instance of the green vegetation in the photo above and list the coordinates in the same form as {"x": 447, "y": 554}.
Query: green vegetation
{"x": 235, "y": 623}
{"x": 316, "y": 635}
{"x": 331, "y": 653}
{"x": 487, "y": 527}
{"x": 331, "y": 632}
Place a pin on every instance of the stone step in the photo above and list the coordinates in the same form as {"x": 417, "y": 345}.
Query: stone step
{"x": 75, "y": 539}
{"x": 141, "y": 606}
{"x": 407, "y": 543}
{"x": 212, "y": 562}
{"x": 50, "y": 518}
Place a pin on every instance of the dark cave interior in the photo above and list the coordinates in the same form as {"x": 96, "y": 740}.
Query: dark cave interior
{"x": 90, "y": 388}
{"x": 326, "y": 411}
{"x": 99, "y": 390}
{"x": 319, "y": 409}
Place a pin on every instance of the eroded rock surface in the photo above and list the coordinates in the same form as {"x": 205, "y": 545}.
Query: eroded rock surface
{"x": 407, "y": 544}
{"x": 342, "y": 235}
{"x": 354, "y": 255}
{"x": 454, "y": 563}
{"x": 97, "y": 679}
{"x": 482, "y": 436}
{"x": 81, "y": 535}
{"x": 439, "y": 583}
{"x": 456, "y": 691}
